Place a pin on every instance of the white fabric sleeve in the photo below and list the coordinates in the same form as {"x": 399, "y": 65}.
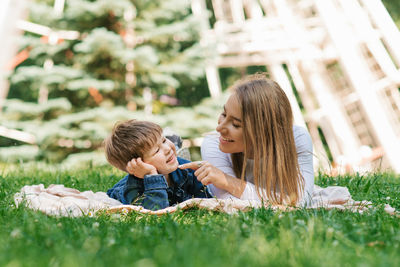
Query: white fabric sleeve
{"x": 210, "y": 152}
{"x": 304, "y": 149}
{"x": 250, "y": 192}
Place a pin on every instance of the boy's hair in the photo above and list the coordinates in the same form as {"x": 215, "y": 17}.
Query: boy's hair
{"x": 130, "y": 139}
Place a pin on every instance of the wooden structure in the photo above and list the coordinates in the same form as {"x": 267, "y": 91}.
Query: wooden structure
{"x": 337, "y": 60}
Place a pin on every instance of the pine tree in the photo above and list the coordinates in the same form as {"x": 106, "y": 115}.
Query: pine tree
{"x": 93, "y": 69}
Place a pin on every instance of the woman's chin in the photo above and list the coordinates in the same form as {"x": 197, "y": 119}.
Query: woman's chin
{"x": 225, "y": 148}
{"x": 230, "y": 148}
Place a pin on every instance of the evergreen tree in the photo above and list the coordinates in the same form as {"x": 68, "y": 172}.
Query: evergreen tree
{"x": 93, "y": 69}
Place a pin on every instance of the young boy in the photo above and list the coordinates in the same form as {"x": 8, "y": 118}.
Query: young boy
{"x": 153, "y": 159}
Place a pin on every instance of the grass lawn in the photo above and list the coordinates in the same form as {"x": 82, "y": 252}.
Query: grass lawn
{"x": 197, "y": 237}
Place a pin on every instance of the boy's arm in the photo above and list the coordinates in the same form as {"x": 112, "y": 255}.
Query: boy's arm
{"x": 155, "y": 194}
{"x": 138, "y": 168}
{"x": 127, "y": 189}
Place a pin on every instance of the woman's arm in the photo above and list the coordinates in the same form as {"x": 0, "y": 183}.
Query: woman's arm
{"x": 304, "y": 149}
{"x": 207, "y": 174}
{"x": 210, "y": 152}
{"x": 229, "y": 186}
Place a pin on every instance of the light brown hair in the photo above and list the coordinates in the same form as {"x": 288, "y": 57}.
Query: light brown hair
{"x": 130, "y": 139}
{"x": 267, "y": 123}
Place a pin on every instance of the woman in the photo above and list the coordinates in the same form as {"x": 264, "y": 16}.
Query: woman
{"x": 259, "y": 153}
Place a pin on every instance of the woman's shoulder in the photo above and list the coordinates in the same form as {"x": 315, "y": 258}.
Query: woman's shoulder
{"x": 210, "y": 151}
{"x": 210, "y": 140}
{"x": 211, "y": 135}
{"x": 302, "y": 137}
{"x": 299, "y": 130}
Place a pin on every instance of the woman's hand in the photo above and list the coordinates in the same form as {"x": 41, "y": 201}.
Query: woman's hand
{"x": 207, "y": 173}
{"x": 139, "y": 169}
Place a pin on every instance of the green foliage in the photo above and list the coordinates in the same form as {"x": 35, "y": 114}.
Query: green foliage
{"x": 85, "y": 80}
{"x": 82, "y": 84}
{"x": 61, "y": 134}
{"x": 393, "y": 7}
{"x": 260, "y": 237}
{"x": 19, "y": 153}
{"x": 166, "y": 46}
{"x": 15, "y": 109}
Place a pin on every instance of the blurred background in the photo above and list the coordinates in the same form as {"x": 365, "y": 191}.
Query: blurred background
{"x": 69, "y": 69}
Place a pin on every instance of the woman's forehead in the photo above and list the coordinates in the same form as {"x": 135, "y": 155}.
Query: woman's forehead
{"x": 232, "y": 107}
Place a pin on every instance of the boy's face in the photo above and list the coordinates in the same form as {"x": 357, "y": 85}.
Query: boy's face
{"x": 162, "y": 156}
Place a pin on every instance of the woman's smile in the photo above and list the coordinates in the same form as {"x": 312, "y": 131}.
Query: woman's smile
{"x": 230, "y": 127}
{"x": 225, "y": 140}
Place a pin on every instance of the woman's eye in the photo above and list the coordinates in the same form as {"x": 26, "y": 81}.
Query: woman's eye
{"x": 236, "y": 126}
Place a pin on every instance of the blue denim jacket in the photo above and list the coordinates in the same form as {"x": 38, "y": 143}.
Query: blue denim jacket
{"x": 152, "y": 192}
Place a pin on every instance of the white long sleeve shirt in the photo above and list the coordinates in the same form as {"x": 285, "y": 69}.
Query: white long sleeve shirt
{"x": 210, "y": 152}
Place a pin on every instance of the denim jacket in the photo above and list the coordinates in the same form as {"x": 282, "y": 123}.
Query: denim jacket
{"x": 152, "y": 192}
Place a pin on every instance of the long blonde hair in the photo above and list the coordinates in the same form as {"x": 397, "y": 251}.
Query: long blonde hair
{"x": 267, "y": 123}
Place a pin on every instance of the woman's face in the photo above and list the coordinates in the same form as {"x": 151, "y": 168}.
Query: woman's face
{"x": 230, "y": 127}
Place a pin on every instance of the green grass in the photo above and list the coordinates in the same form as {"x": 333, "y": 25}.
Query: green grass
{"x": 197, "y": 237}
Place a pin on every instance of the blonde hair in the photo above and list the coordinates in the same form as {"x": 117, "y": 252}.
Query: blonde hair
{"x": 130, "y": 139}
{"x": 267, "y": 123}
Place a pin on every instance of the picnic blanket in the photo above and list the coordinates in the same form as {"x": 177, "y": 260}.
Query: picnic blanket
{"x": 59, "y": 200}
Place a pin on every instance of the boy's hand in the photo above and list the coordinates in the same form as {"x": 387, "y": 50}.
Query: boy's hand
{"x": 138, "y": 168}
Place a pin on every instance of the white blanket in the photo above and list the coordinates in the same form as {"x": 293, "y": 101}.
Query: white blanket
{"x": 62, "y": 201}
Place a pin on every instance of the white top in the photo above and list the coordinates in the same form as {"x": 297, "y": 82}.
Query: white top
{"x": 210, "y": 152}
